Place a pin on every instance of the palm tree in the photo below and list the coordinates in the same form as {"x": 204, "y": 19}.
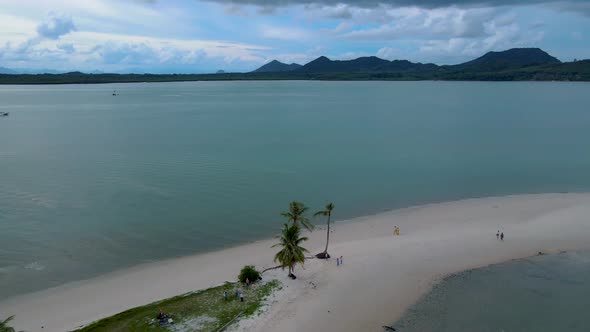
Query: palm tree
{"x": 4, "y": 325}
{"x": 291, "y": 252}
{"x": 295, "y": 214}
{"x": 328, "y": 213}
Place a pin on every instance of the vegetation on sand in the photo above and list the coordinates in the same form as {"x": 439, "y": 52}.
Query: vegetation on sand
{"x": 291, "y": 252}
{"x": 326, "y": 213}
{"x": 205, "y": 310}
{"x": 250, "y": 273}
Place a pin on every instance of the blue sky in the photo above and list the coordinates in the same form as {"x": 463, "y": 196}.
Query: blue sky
{"x": 192, "y": 36}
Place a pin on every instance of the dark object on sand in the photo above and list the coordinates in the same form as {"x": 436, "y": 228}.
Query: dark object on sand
{"x": 388, "y": 328}
{"x": 323, "y": 255}
{"x": 164, "y": 319}
{"x": 4, "y": 113}
{"x": 292, "y": 276}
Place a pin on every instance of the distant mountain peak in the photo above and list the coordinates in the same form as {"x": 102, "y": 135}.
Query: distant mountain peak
{"x": 514, "y": 57}
{"x": 362, "y": 64}
{"x": 276, "y": 66}
{"x": 4, "y": 70}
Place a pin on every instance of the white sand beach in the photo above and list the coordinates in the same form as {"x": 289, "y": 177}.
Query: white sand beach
{"x": 382, "y": 274}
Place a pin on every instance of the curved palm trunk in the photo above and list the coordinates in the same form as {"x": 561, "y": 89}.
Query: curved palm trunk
{"x": 327, "y": 235}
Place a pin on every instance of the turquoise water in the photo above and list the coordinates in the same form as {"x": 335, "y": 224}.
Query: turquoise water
{"x": 541, "y": 294}
{"x": 90, "y": 183}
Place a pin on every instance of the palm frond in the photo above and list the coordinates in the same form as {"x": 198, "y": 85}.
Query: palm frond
{"x": 320, "y": 213}
{"x": 307, "y": 224}
{"x": 291, "y": 252}
{"x": 4, "y": 325}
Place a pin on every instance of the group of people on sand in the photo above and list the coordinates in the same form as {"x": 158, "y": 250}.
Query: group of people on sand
{"x": 238, "y": 293}
{"x": 164, "y": 319}
{"x": 500, "y": 236}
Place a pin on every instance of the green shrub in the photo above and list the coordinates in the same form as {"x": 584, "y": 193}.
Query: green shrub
{"x": 250, "y": 273}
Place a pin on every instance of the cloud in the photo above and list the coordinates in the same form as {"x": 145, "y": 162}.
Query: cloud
{"x": 416, "y": 23}
{"x": 339, "y": 11}
{"x": 500, "y": 36}
{"x": 387, "y": 53}
{"x": 267, "y": 10}
{"x": 68, "y": 47}
{"x": 236, "y": 10}
{"x": 84, "y": 50}
{"x": 55, "y": 26}
{"x": 393, "y": 3}
{"x": 579, "y": 7}
{"x": 282, "y": 33}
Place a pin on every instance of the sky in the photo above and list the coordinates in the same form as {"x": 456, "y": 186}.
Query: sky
{"x": 200, "y": 36}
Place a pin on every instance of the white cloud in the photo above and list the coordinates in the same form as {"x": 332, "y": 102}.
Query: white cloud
{"x": 499, "y": 37}
{"x": 16, "y": 29}
{"x": 283, "y": 33}
{"x": 387, "y": 53}
{"x": 418, "y": 23}
{"x": 115, "y": 52}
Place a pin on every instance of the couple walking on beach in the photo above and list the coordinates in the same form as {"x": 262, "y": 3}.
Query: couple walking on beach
{"x": 500, "y": 235}
{"x": 339, "y": 261}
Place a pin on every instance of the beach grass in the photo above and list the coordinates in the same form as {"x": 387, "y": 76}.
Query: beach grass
{"x": 204, "y": 310}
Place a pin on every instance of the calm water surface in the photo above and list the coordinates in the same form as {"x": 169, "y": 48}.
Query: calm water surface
{"x": 90, "y": 183}
{"x": 540, "y": 294}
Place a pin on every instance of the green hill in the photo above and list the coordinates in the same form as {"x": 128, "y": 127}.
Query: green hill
{"x": 277, "y": 67}
{"x": 513, "y": 58}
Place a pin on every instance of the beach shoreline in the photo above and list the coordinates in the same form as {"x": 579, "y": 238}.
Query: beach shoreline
{"x": 391, "y": 273}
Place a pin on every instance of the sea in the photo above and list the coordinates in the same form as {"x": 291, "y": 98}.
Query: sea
{"x": 92, "y": 182}
{"x": 539, "y": 294}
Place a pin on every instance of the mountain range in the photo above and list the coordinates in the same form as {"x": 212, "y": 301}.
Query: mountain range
{"x": 491, "y": 61}
{"x": 517, "y": 64}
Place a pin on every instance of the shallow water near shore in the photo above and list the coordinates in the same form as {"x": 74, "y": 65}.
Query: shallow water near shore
{"x": 91, "y": 183}
{"x": 542, "y": 293}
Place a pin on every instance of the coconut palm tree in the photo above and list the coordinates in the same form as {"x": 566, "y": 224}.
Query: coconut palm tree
{"x": 295, "y": 215}
{"x": 4, "y": 325}
{"x": 291, "y": 251}
{"x": 327, "y": 213}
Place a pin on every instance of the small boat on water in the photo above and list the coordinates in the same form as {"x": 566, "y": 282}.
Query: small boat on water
{"x": 4, "y": 113}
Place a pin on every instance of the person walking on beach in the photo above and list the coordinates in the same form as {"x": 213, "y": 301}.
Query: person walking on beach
{"x": 502, "y": 236}
{"x": 341, "y": 260}
{"x": 337, "y": 261}
{"x": 498, "y": 235}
